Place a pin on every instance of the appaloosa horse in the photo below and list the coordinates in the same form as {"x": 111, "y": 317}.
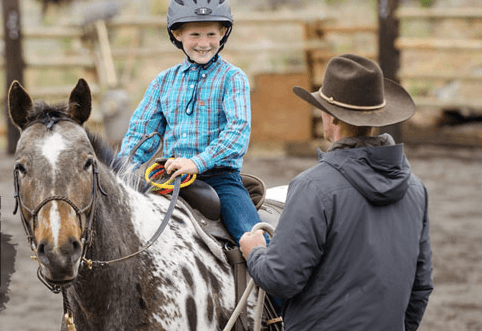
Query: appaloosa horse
{"x": 76, "y": 208}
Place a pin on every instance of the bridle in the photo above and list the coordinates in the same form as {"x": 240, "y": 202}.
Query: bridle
{"x": 87, "y": 235}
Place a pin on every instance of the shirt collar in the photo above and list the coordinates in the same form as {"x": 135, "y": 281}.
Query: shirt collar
{"x": 188, "y": 65}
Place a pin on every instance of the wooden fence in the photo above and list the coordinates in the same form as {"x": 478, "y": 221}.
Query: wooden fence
{"x": 314, "y": 42}
{"x": 452, "y": 47}
{"x": 85, "y": 58}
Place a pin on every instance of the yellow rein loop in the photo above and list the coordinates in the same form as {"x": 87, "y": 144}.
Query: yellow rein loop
{"x": 167, "y": 184}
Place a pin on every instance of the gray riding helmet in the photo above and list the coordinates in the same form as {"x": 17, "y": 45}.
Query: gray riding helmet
{"x": 185, "y": 11}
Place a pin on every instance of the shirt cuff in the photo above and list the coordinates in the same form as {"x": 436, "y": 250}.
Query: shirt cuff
{"x": 200, "y": 163}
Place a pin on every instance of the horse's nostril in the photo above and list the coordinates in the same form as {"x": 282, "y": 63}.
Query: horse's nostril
{"x": 76, "y": 249}
{"x": 41, "y": 253}
{"x": 41, "y": 249}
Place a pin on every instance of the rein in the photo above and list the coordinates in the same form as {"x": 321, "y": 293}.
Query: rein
{"x": 160, "y": 229}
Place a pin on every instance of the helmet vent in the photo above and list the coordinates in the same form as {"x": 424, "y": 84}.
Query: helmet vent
{"x": 180, "y": 2}
{"x": 203, "y": 11}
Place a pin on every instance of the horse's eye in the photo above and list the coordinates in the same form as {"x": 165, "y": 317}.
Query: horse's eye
{"x": 89, "y": 163}
{"x": 21, "y": 168}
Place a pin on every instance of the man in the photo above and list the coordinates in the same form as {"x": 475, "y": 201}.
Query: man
{"x": 352, "y": 249}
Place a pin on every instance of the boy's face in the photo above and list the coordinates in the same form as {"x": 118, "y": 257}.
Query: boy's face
{"x": 200, "y": 39}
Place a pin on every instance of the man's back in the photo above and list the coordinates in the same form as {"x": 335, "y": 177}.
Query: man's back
{"x": 358, "y": 226}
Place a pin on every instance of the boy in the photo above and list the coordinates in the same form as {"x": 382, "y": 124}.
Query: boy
{"x": 201, "y": 107}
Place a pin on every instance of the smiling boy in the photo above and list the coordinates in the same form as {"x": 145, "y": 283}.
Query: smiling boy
{"x": 201, "y": 108}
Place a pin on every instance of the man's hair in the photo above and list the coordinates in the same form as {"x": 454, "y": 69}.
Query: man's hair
{"x": 348, "y": 130}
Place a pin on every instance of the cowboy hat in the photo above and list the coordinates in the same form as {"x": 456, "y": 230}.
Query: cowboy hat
{"x": 355, "y": 92}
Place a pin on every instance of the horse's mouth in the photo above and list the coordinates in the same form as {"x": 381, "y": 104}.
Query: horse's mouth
{"x": 63, "y": 282}
{"x": 60, "y": 282}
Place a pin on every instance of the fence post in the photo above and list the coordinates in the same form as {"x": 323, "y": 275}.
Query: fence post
{"x": 388, "y": 54}
{"x": 14, "y": 63}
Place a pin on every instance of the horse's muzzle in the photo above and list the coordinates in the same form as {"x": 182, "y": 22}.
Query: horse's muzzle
{"x": 59, "y": 264}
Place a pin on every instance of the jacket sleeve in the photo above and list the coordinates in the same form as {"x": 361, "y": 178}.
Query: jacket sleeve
{"x": 423, "y": 284}
{"x": 285, "y": 266}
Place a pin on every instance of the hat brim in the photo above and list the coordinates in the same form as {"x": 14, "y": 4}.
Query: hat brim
{"x": 399, "y": 107}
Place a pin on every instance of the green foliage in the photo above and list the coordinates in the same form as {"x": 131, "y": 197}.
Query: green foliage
{"x": 426, "y": 3}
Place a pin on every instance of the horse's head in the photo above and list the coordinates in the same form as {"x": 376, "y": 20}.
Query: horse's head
{"x": 55, "y": 178}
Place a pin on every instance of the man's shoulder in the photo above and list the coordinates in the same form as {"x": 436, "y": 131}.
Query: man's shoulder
{"x": 321, "y": 171}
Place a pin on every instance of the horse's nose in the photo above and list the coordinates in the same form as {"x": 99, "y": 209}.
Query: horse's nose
{"x": 62, "y": 257}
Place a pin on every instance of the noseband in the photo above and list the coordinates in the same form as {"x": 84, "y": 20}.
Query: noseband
{"x": 87, "y": 234}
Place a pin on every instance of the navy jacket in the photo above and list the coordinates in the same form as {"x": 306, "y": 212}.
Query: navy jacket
{"x": 352, "y": 249}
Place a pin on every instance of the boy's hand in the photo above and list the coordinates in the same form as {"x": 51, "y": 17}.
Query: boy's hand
{"x": 180, "y": 166}
{"x": 250, "y": 240}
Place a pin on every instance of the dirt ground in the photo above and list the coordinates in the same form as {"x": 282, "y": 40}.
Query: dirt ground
{"x": 454, "y": 181}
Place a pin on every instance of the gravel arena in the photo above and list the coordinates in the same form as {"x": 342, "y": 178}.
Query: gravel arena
{"x": 452, "y": 176}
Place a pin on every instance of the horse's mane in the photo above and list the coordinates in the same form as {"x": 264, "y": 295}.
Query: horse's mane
{"x": 43, "y": 111}
{"x": 105, "y": 152}
{"x": 108, "y": 155}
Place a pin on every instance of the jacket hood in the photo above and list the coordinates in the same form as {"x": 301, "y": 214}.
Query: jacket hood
{"x": 380, "y": 174}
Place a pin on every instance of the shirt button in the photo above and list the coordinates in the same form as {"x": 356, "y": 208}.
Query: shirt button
{"x": 184, "y": 135}
{"x": 188, "y": 111}
{"x": 203, "y": 75}
{"x": 192, "y": 86}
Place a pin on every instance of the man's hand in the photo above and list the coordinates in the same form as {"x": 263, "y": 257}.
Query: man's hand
{"x": 180, "y": 166}
{"x": 251, "y": 240}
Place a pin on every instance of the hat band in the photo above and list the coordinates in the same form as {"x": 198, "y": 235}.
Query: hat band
{"x": 345, "y": 105}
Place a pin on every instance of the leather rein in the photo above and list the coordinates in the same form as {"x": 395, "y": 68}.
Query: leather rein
{"x": 87, "y": 235}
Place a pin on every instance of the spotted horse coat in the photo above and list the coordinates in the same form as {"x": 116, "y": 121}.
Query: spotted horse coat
{"x": 177, "y": 284}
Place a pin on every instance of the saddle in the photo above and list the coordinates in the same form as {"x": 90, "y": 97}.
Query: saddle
{"x": 205, "y": 205}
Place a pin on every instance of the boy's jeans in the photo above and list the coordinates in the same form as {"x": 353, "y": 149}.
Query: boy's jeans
{"x": 238, "y": 211}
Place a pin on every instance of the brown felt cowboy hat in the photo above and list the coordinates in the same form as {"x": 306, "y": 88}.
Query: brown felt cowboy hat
{"x": 355, "y": 92}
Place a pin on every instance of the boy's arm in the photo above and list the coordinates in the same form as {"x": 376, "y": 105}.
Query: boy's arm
{"x": 233, "y": 140}
{"x": 146, "y": 119}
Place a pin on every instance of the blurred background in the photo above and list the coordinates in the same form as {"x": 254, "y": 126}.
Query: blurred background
{"x": 432, "y": 47}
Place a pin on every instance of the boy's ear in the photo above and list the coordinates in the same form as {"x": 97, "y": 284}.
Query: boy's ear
{"x": 177, "y": 34}
{"x": 223, "y": 30}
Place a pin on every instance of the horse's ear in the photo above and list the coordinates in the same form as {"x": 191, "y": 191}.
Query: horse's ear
{"x": 80, "y": 102}
{"x": 19, "y": 104}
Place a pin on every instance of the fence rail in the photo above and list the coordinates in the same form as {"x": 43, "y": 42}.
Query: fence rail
{"x": 88, "y": 61}
{"x": 446, "y": 47}
{"x": 439, "y": 13}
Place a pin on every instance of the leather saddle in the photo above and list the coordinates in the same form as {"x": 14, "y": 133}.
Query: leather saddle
{"x": 204, "y": 201}
{"x": 201, "y": 197}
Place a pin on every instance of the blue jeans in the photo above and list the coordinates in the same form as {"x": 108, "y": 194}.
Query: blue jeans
{"x": 237, "y": 209}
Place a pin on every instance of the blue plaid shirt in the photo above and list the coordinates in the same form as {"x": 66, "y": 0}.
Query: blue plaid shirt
{"x": 204, "y": 114}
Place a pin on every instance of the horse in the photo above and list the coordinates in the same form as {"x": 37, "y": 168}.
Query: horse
{"x": 78, "y": 205}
